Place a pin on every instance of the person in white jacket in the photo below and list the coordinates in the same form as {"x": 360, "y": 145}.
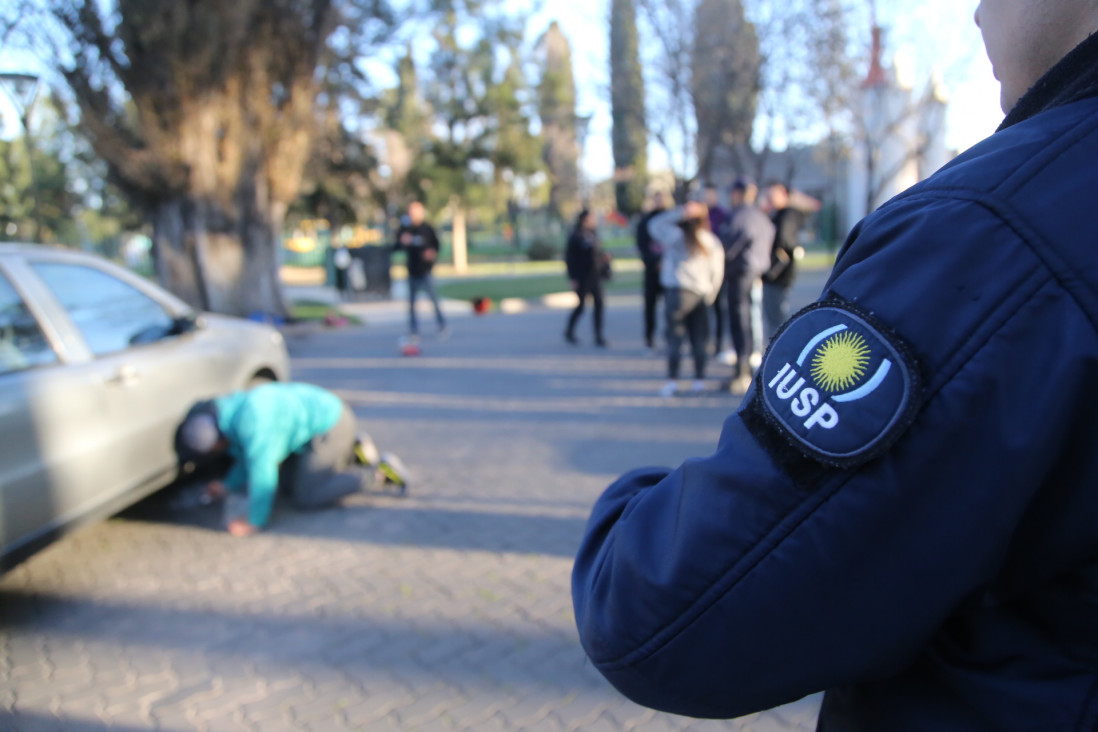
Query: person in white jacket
{"x": 691, "y": 274}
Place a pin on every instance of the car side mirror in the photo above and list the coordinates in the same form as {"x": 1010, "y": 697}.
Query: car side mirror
{"x": 188, "y": 323}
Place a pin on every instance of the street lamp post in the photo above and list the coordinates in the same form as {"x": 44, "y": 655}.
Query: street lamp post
{"x": 22, "y": 90}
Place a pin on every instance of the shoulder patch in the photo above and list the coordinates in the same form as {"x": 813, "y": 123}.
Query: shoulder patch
{"x": 837, "y": 385}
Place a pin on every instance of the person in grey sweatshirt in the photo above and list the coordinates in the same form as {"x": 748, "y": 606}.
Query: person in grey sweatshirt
{"x": 691, "y": 273}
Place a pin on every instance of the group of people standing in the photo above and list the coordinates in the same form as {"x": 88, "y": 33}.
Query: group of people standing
{"x": 702, "y": 255}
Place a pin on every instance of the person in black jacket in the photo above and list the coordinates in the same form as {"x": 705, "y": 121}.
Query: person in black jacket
{"x": 587, "y": 264}
{"x": 778, "y": 280}
{"x": 651, "y": 254}
{"x": 417, "y": 239}
{"x": 902, "y": 512}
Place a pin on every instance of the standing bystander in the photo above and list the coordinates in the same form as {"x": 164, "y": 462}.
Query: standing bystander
{"x": 651, "y": 253}
{"x": 587, "y": 265}
{"x": 786, "y": 252}
{"x": 417, "y": 239}
{"x": 747, "y": 239}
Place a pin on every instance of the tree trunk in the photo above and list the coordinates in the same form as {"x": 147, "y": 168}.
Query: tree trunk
{"x": 217, "y": 263}
{"x": 461, "y": 257}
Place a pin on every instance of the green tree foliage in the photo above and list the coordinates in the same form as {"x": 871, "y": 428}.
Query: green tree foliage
{"x": 557, "y": 109}
{"x": 629, "y": 135}
{"x": 37, "y": 195}
{"x": 725, "y": 81}
{"x": 481, "y": 108}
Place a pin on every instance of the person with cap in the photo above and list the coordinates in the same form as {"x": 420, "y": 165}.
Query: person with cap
{"x": 301, "y": 429}
{"x": 691, "y": 275}
{"x": 747, "y": 237}
{"x": 902, "y": 513}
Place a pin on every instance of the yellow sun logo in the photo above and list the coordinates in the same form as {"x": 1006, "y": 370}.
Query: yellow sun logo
{"x": 840, "y": 362}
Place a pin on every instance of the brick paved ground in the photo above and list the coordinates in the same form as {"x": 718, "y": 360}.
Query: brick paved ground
{"x": 447, "y": 610}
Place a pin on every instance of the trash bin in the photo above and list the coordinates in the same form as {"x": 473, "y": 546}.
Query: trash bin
{"x": 375, "y": 262}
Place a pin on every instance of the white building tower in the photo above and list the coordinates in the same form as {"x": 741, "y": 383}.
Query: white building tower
{"x": 899, "y": 136}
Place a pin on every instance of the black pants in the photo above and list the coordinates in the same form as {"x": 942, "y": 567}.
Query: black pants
{"x": 652, "y": 291}
{"x": 718, "y": 316}
{"x": 737, "y": 287}
{"x": 687, "y": 316}
{"x": 325, "y": 471}
{"x": 589, "y": 286}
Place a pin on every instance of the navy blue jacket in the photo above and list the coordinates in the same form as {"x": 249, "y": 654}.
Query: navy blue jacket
{"x": 904, "y": 511}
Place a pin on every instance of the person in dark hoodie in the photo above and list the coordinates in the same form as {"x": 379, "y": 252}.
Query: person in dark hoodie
{"x": 587, "y": 266}
{"x": 902, "y": 512}
{"x": 417, "y": 239}
{"x": 651, "y": 254}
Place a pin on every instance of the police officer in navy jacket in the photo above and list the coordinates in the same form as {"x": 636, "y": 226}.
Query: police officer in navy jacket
{"x": 904, "y": 510}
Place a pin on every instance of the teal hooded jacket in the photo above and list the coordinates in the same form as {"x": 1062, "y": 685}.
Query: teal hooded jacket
{"x": 266, "y": 425}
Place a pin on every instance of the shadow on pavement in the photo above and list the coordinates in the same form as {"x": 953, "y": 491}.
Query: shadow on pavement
{"x": 30, "y": 722}
{"x": 495, "y": 647}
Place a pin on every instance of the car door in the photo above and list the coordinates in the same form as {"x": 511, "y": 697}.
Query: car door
{"x": 149, "y": 368}
{"x": 50, "y": 439}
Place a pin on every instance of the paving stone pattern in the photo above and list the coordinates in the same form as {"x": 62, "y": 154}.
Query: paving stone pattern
{"x": 446, "y": 610}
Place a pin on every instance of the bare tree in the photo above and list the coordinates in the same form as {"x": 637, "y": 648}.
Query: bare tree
{"x": 670, "y": 110}
{"x": 725, "y": 82}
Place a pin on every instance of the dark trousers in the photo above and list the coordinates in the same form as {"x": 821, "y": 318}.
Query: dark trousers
{"x": 718, "y": 317}
{"x": 652, "y": 291}
{"x": 737, "y": 287}
{"x": 589, "y": 286}
{"x": 427, "y": 284}
{"x": 325, "y": 471}
{"x": 687, "y": 317}
{"x": 775, "y": 306}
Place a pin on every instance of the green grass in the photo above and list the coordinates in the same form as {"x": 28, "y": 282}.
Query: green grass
{"x": 309, "y": 311}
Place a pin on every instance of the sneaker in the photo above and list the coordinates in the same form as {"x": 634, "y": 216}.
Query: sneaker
{"x": 571, "y": 339}
{"x": 669, "y": 389}
{"x": 698, "y": 386}
{"x": 602, "y": 342}
{"x": 728, "y": 358}
{"x": 366, "y": 451}
{"x": 392, "y": 469}
{"x": 740, "y": 385}
{"x": 756, "y": 360}
{"x": 443, "y": 333}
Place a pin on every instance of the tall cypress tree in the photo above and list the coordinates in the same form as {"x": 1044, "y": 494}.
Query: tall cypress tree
{"x": 557, "y": 109}
{"x": 630, "y": 135}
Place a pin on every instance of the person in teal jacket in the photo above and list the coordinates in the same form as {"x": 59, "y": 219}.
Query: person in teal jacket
{"x": 304, "y": 427}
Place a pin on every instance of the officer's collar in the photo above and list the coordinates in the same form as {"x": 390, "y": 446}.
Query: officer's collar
{"x": 1073, "y": 79}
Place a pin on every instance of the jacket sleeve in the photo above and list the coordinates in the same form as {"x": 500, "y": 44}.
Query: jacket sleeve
{"x": 261, "y": 452}
{"x": 755, "y": 576}
{"x": 662, "y": 228}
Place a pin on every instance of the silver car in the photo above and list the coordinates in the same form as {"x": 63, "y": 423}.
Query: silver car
{"x": 97, "y": 369}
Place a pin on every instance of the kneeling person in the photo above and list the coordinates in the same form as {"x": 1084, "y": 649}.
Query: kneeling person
{"x": 261, "y": 429}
